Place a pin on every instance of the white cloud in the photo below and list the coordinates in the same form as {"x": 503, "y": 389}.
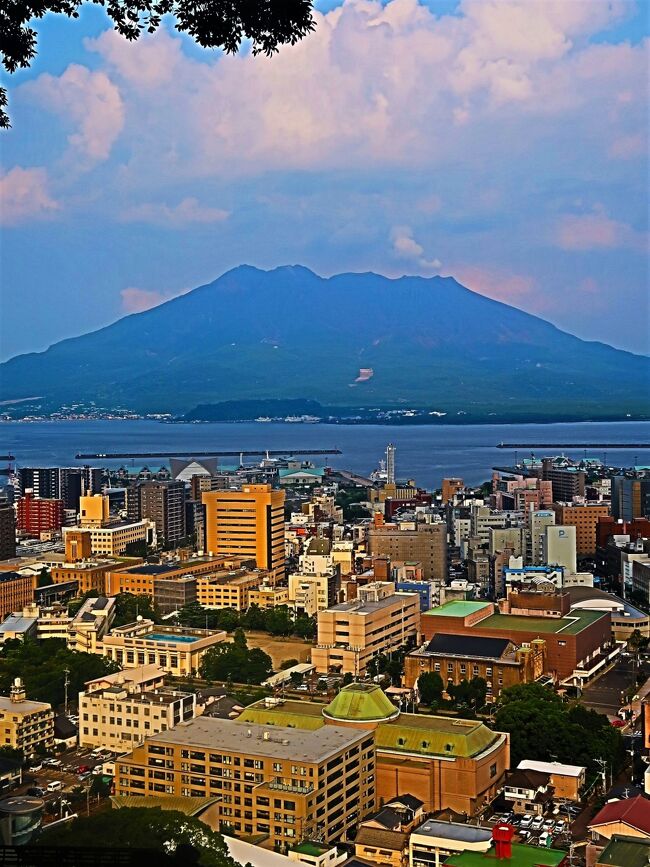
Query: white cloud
{"x": 374, "y": 83}
{"x": 89, "y": 99}
{"x": 187, "y": 211}
{"x": 24, "y": 196}
{"x": 407, "y": 248}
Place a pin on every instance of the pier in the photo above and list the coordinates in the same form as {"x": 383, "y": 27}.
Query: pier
{"x": 188, "y": 453}
{"x": 573, "y": 446}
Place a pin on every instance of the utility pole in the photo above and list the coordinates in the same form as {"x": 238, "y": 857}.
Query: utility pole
{"x": 603, "y": 773}
{"x": 66, "y": 684}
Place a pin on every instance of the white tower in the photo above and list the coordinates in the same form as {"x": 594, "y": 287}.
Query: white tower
{"x": 390, "y": 464}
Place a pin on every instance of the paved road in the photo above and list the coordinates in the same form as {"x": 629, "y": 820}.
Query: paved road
{"x": 604, "y": 694}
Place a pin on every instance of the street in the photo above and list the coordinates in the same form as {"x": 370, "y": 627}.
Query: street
{"x": 605, "y": 694}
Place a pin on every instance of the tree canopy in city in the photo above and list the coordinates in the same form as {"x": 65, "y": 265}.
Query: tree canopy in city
{"x": 223, "y": 24}
{"x": 184, "y": 839}
{"x": 543, "y": 726}
{"x": 42, "y": 665}
{"x": 430, "y": 687}
{"x": 235, "y": 662}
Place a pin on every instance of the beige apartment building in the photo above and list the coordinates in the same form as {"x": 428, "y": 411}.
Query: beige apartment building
{"x": 25, "y": 725}
{"x": 120, "y": 715}
{"x": 247, "y": 523}
{"x": 279, "y": 783}
{"x": 352, "y": 633}
{"x": 424, "y": 542}
{"x": 110, "y": 541}
{"x": 228, "y": 589}
{"x": 266, "y": 596}
{"x": 176, "y": 650}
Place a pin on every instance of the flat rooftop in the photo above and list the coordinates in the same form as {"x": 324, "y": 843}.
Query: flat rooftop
{"x": 22, "y": 707}
{"x": 457, "y": 608}
{"x": 357, "y": 607}
{"x": 454, "y": 831}
{"x": 302, "y": 745}
{"x": 575, "y": 621}
{"x": 522, "y": 856}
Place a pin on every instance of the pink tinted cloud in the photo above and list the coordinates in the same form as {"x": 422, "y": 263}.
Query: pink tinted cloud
{"x": 136, "y": 300}
{"x": 189, "y": 210}
{"x": 24, "y": 196}
{"x": 596, "y": 231}
{"x": 502, "y": 285}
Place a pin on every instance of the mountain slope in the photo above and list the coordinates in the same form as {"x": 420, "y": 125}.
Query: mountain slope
{"x": 288, "y": 333}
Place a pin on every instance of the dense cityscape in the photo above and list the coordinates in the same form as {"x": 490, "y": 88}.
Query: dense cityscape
{"x": 285, "y": 662}
{"x": 324, "y": 433}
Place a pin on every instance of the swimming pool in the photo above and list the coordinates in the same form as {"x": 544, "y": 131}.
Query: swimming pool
{"x": 162, "y": 636}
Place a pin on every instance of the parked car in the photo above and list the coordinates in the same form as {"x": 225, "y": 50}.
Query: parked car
{"x": 52, "y": 763}
{"x": 561, "y": 826}
{"x": 544, "y": 838}
{"x": 34, "y": 769}
{"x": 549, "y": 825}
{"x": 36, "y": 792}
{"x": 526, "y": 822}
{"x": 83, "y": 769}
{"x": 537, "y": 824}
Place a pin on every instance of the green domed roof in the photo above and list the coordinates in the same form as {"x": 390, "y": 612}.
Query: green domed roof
{"x": 361, "y": 702}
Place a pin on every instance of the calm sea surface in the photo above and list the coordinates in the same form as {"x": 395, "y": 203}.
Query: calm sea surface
{"x": 426, "y": 454}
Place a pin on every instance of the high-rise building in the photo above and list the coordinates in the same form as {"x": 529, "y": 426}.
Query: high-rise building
{"x": 426, "y": 543}
{"x": 7, "y": 531}
{"x": 538, "y": 521}
{"x": 61, "y": 483}
{"x": 630, "y": 497}
{"x": 560, "y": 547}
{"x": 390, "y": 464}
{"x": 36, "y": 516}
{"x": 248, "y": 523}
{"x": 568, "y": 482}
{"x": 584, "y": 517}
{"x": 164, "y": 504}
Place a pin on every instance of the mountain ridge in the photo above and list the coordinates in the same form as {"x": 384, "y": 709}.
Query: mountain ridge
{"x": 290, "y": 333}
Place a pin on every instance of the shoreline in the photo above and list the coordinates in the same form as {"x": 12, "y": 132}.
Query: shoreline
{"x": 453, "y": 421}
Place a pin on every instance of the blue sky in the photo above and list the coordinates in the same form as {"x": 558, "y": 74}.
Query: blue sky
{"x": 503, "y": 142}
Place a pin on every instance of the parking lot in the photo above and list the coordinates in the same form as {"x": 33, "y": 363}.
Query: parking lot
{"x": 39, "y": 775}
{"x": 555, "y": 830}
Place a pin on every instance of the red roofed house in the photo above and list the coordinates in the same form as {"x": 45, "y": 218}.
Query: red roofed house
{"x": 630, "y": 817}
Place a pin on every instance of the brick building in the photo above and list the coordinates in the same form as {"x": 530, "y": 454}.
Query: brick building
{"x": 426, "y": 543}
{"x": 16, "y": 591}
{"x": 447, "y": 763}
{"x": 584, "y": 517}
{"x": 575, "y": 643}
{"x": 499, "y": 661}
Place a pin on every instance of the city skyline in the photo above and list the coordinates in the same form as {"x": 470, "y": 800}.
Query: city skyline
{"x": 404, "y": 138}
